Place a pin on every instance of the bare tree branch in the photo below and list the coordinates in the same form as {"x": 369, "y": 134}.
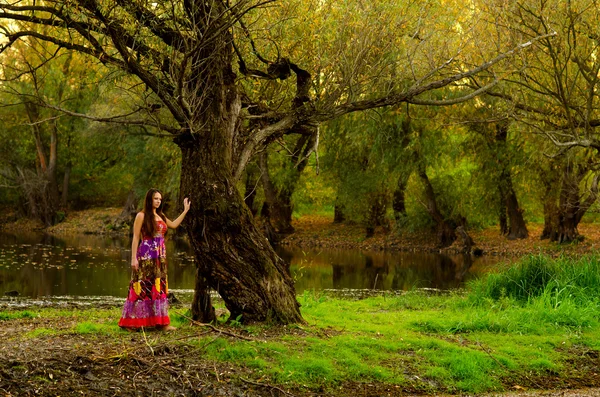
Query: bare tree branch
{"x": 119, "y": 119}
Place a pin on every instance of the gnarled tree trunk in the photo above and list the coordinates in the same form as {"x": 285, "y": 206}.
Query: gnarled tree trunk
{"x": 233, "y": 256}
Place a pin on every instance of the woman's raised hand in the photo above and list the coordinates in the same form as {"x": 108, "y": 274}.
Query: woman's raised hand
{"x": 186, "y": 204}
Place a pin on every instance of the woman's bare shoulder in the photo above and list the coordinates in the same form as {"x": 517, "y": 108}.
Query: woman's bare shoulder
{"x": 140, "y": 215}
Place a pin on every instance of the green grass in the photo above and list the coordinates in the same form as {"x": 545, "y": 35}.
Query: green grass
{"x": 576, "y": 280}
{"x": 517, "y": 321}
{"x": 39, "y": 332}
{"x": 527, "y": 319}
{"x": 95, "y": 328}
{"x": 13, "y": 315}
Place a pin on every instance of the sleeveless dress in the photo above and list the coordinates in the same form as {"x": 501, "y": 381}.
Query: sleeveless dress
{"x": 147, "y": 304}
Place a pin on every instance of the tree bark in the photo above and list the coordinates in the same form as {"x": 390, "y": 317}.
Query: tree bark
{"x": 517, "y": 228}
{"x": 550, "y": 180}
{"x": 43, "y": 191}
{"x": 127, "y": 215}
{"x": 280, "y": 200}
{"x": 233, "y": 256}
{"x": 376, "y": 213}
{"x": 252, "y": 180}
{"x": 64, "y": 200}
{"x": 202, "y": 308}
{"x": 502, "y": 213}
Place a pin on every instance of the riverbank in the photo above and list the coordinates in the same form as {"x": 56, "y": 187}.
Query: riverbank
{"x": 90, "y": 221}
{"x": 319, "y": 231}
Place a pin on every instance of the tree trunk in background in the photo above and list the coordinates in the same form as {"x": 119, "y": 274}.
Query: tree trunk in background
{"x": 516, "y": 223}
{"x": 64, "y": 200}
{"x": 280, "y": 200}
{"x": 445, "y": 232}
{"x": 376, "y": 213}
{"x": 42, "y": 192}
{"x": 252, "y": 180}
{"x": 279, "y": 214}
{"x": 399, "y": 203}
{"x": 517, "y": 228}
{"x": 550, "y": 198}
{"x": 502, "y": 213}
{"x": 571, "y": 208}
{"x": 129, "y": 211}
{"x": 338, "y": 213}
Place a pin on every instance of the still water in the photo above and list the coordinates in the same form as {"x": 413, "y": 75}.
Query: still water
{"x": 39, "y": 265}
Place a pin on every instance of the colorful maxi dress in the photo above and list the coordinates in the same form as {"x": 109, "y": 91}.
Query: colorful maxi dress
{"x": 147, "y": 304}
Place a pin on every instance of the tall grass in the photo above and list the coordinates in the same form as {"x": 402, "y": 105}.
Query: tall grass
{"x": 535, "y": 277}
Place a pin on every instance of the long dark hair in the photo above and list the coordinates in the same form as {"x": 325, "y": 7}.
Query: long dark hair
{"x": 149, "y": 225}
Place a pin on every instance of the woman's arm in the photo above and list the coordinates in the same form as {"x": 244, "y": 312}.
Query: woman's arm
{"x": 186, "y": 207}
{"x": 137, "y": 229}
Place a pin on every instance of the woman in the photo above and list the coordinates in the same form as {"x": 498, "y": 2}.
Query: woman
{"x": 147, "y": 304}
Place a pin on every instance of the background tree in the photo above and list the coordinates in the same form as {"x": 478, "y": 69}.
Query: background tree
{"x": 556, "y": 96}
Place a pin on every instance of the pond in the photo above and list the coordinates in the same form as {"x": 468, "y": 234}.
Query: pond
{"x": 40, "y": 265}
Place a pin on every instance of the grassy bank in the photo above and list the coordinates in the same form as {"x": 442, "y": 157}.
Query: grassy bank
{"x": 534, "y": 325}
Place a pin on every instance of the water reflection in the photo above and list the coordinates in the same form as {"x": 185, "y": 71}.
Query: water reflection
{"x": 89, "y": 265}
{"x": 42, "y": 265}
{"x": 325, "y": 269}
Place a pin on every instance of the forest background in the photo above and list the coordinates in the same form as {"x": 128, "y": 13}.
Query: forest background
{"x": 522, "y": 151}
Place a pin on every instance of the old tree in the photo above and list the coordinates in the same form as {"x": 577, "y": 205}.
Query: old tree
{"x": 194, "y": 68}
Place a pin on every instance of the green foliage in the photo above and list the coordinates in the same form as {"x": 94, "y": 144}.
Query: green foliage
{"x": 236, "y": 322}
{"x": 365, "y": 155}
